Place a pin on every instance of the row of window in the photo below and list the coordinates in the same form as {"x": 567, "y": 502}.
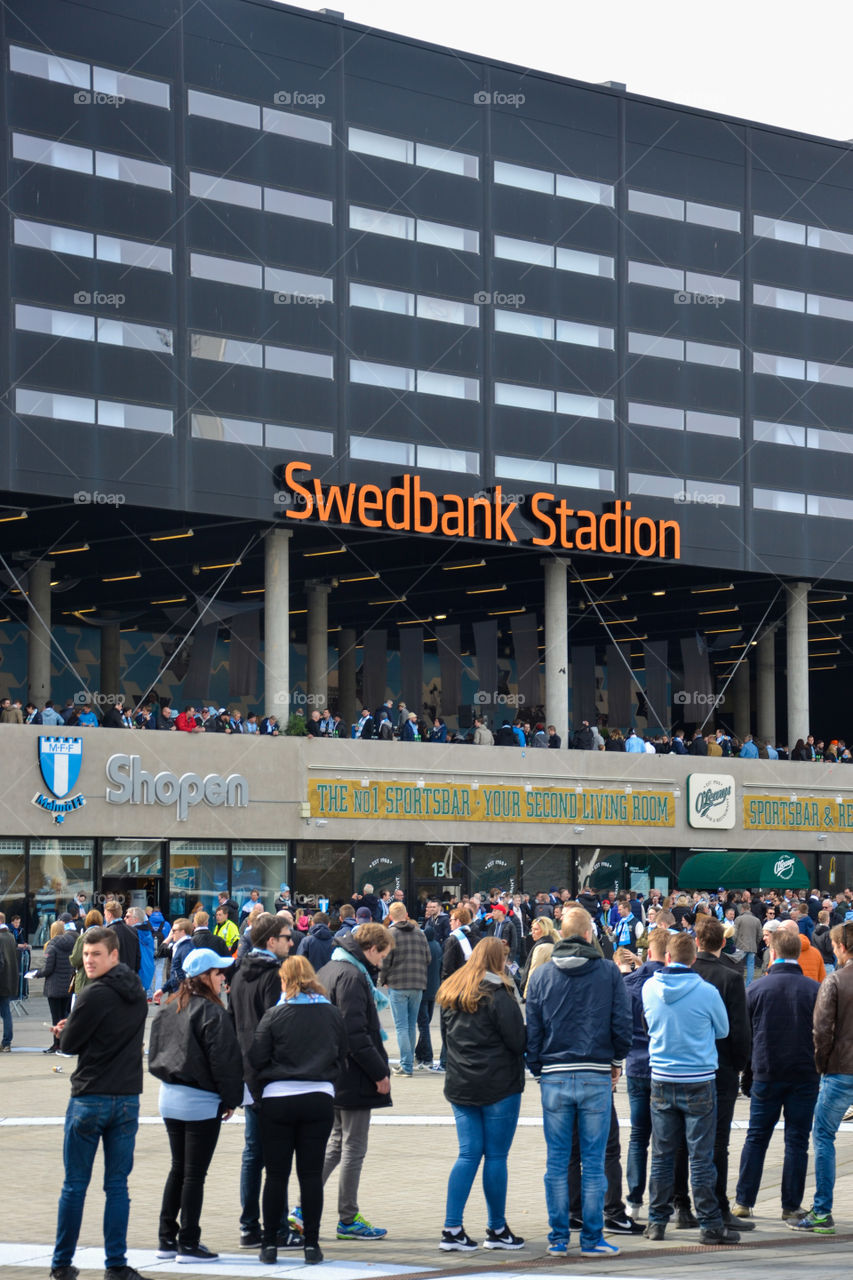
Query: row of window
{"x": 658, "y": 415}
{"x": 705, "y": 215}
{"x": 274, "y": 435}
{"x": 385, "y": 146}
{"x": 812, "y": 304}
{"x": 424, "y": 381}
{"x": 100, "y": 164}
{"x": 88, "y": 244}
{"x": 654, "y": 344}
{"x": 803, "y": 233}
{"x": 553, "y": 184}
{"x": 103, "y": 413}
{"x": 87, "y": 328}
{"x": 536, "y": 254}
{"x": 287, "y": 124}
{"x": 403, "y": 227}
{"x": 538, "y": 472}
{"x": 679, "y": 281}
{"x": 84, "y": 76}
{"x": 424, "y": 306}
{"x": 802, "y": 504}
{"x": 836, "y": 375}
{"x": 250, "y": 195}
{"x": 399, "y": 453}
{"x": 681, "y": 489}
{"x": 254, "y": 275}
{"x": 260, "y": 355}
{"x": 802, "y": 437}
{"x": 546, "y": 400}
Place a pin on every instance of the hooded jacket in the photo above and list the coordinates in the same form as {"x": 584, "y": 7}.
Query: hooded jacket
{"x": 255, "y": 988}
{"x": 56, "y": 966}
{"x": 732, "y": 1051}
{"x": 811, "y": 961}
{"x": 317, "y": 946}
{"x": 367, "y": 1061}
{"x": 578, "y": 1015}
{"x": 105, "y": 1030}
{"x": 637, "y": 1061}
{"x": 685, "y": 1016}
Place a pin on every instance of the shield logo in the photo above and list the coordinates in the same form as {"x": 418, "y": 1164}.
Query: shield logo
{"x": 60, "y": 760}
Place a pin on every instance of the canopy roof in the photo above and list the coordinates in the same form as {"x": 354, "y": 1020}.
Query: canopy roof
{"x": 732, "y": 870}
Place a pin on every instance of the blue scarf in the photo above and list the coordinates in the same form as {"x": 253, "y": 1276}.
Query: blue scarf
{"x": 379, "y": 997}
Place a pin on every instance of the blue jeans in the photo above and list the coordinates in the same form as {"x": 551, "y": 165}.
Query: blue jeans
{"x": 404, "y": 1008}
{"x": 6, "y": 1015}
{"x": 90, "y": 1118}
{"x": 484, "y": 1133}
{"x": 639, "y": 1100}
{"x": 250, "y": 1175}
{"x": 571, "y": 1098}
{"x": 684, "y": 1113}
{"x": 836, "y": 1095}
{"x": 767, "y": 1100}
{"x": 750, "y": 966}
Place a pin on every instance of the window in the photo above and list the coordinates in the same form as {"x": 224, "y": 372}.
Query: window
{"x": 137, "y": 417}
{"x": 457, "y": 162}
{"x": 382, "y": 375}
{"x": 836, "y": 308}
{"x": 120, "y": 84}
{"x": 457, "y": 460}
{"x": 369, "y": 449}
{"x": 711, "y": 353}
{"x": 792, "y": 232}
{"x": 778, "y": 500}
{"x": 571, "y": 188}
{"x": 778, "y": 433}
{"x": 59, "y": 869}
{"x": 835, "y": 241}
{"x": 227, "y": 350}
{"x": 207, "y": 187}
{"x": 712, "y": 215}
{"x": 275, "y": 435}
{"x": 144, "y": 337}
{"x": 779, "y": 366}
{"x": 446, "y": 311}
{"x": 676, "y": 489}
{"x": 584, "y": 477}
{"x": 58, "y": 155}
{"x": 377, "y": 299}
{"x": 291, "y": 204}
{"x": 226, "y": 271}
{"x": 132, "y": 253}
{"x": 833, "y": 441}
{"x": 59, "y": 324}
{"x": 290, "y": 360}
{"x": 584, "y": 406}
{"x": 530, "y": 469}
{"x": 655, "y": 486}
{"x": 32, "y": 62}
{"x": 381, "y": 224}
{"x": 40, "y": 235}
{"x": 712, "y": 286}
{"x": 585, "y": 335}
{"x": 518, "y": 397}
{"x": 517, "y": 175}
{"x": 303, "y": 439}
{"x": 657, "y": 206}
{"x": 651, "y": 344}
{"x": 206, "y": 426}
{"x": 225, "y": 110}
{"x": 587, "y": 264}
{"x": 448, "y": 237}
{"x": 299, "y": 283}
{"x": 713, "y": 424}
{"x": 538, "y": 255}
{"x": 381, "y": 145}
{"x": 527, "y": 326}
{"x": 128, "y": 169}
{"x": 834, "y": 508}
{"x": 46, "y": 404}
{"x": 446, "y": 384}
{"x": 302, "y": 128}
{"x": 660, "y": 277}
{"x": 565, "y": 185}
{"x": 655, "y": 415}
{"x": 766, "y": 295}
{"x": 198, "y": 869}
{"x": 835, "y": 375}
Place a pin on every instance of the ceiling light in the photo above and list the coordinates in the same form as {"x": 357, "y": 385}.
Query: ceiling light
{"x": 823, "y": 639}
{"x": 617, "y": 622}
{"x": 826, "y": 599}
{"x": 830, "y": 653}
{"x": 440, "y": 617}
{"x": 19, "y": 515}
{"x": 705, "y": 613}
{"x": 496, "y": 613}
{"x": 170, "y": 537}
{"x": 253, "y": 591}
{"x": 68, "y": 551}
{"x": 122, "y": 630}
{"x": 658, "y": 593}
{"x": 611, "y": 600}
{"x": 171, "y": 600}
{"x": 5, "y": 619}
{"x": 830, "y": 667}
{"x": 628, "y": 639}
{"x": 335, "y": 551}
{"x": 701, "y": 591}
{"x": 124, "y": 577}
{"x": 721, "y": 631}
{"x": 295, "y": 611}
{"x": 72, "y": 613}
{"x": 392, "y": 600}
{"x": 606, "y": 577}
{"x": 367, "y": 577}
{"x": 234, "y": 564}
{"x": 411, "y": 622}
{"x": 482, "y": 591}
{"x": 818, "y": 622}
{"x": 471, "y": 564}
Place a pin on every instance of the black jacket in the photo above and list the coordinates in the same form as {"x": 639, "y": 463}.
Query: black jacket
{"x": 781, "y": 1008}
{"x": 298, "y": 1041}
{"x": 733, "y": 1051}
{"x": 821, "y": 940}
{"x": 206, "y": 938}
{"x": 453, "y": 957}
{"x": 56, "y": 967}
{"x": 317, "y": 946}
{"x": 485, "y": 1049}
{"x": 8, "y": 964}
{"x": 255, "y": 988}
{"x": 128, "y": 944}
{"x": 509, "y": 933}
{"x": 105, "y": 1030}
{"x": 197, "y": 1046}
{"x": 367, "y": 1061}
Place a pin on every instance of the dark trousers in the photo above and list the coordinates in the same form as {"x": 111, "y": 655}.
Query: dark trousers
{"x": 614, "y": 1205}
{"x": 423, "y": 1049}
{"x": 59, "y": 1008}
{"x": 767, "y": 1099}
{"x": 299, "y": 1125}
{"x": 192, "y": 1143}
{"x": 683, "y": 1114}
{"x": 727, "y": 1091}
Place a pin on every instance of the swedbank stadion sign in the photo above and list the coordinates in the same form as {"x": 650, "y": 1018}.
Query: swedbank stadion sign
{"x": 711, "y": 801}
{"x": 412, "y": 507}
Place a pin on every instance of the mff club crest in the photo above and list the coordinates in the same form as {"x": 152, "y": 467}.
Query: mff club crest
{"x": 60, "y": 761}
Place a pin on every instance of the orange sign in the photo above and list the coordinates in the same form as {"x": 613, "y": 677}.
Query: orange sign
{"x": 411, "y": 508}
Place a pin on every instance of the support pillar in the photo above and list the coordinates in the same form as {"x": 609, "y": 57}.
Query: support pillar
{"x": 39, "y": 623}
{"x": 347, "y": 704}
{"x": 740, "y": 697}
{"x": 110, "y": 678}
{"x": 317, "y": 679}
{"x": 277, "y": 623}
{"x": 797, "y": 635}
{"x": 557, "y": 646}
{"x": 766, "y": 687}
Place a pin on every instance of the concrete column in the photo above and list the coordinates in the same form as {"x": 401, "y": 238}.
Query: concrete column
{"x": 277, "y": 623}
{"x": 317, "y": 679}
{"x": 739, "y": 689}
{"x": 110, "y": 679}
{"x": 38, "y": 623}
{"x": 766, "y": 687}
{"x": 797, "y": 632}
{"x": 557, "y": 646}
{"x": 347, "y": 704}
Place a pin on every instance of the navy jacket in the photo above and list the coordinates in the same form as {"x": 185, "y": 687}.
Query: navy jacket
{"x": 733, "y": 1049}
{"x": 781, "y": 1008}
{"x": 578, "y": 1014}
{"x": 637, "y": 1061}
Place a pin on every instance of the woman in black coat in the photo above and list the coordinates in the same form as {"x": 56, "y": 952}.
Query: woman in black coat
{"x": 296, "y": 1056}
{"x": 58, "y": 975}
{"x": 194, "y": 1052}
{"x": 486, "y": 1038}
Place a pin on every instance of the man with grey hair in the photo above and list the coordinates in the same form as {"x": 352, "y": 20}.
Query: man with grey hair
{"x": 128, "y": 940}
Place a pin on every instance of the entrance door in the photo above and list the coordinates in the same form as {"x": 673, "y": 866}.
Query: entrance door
{"x": 131, "y": 870}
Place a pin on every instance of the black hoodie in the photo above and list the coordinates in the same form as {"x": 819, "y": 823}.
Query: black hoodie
{"x": 255, "y": 987}
{"x": 105, "y": 1030}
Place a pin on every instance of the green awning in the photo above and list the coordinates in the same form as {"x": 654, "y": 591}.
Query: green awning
{"x": 710, "y": 870}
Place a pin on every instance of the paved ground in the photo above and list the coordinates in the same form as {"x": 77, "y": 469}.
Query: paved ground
{"x": 412, "y": 1148}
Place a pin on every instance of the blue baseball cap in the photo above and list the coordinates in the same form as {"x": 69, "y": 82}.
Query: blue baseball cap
{"x": 203, "y": 959}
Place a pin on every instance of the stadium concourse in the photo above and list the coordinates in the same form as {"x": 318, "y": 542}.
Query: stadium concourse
{"x": 412, "y": 1148}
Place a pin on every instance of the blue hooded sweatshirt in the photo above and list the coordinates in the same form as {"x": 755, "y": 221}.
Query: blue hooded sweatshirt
{"x": 685, "y": 1016}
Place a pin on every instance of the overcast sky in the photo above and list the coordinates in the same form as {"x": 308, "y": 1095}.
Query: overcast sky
{"x": 784, "y": 64}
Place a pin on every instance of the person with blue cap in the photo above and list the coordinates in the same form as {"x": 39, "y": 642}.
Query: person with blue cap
{"x": 194, "y": 1052}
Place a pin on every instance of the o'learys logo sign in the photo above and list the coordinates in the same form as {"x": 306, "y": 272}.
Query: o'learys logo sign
{"x": 711, "y": 801}
{"x": 783, "y": 867}
{"x": 60, "y": 761}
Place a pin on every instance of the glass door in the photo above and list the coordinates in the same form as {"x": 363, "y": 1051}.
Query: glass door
{"x": 132, "y": 872}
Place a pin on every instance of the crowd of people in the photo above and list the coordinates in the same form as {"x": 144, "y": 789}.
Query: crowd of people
{"x": 572, "y": 993}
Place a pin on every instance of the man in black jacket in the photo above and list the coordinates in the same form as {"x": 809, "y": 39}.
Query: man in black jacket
{"x": 203, "y": 937}
{"x": 732, "y": 1051}
{"x": 780, "y": 1075}
{"x": 365, "y": 1081}
{"x": 105, "y": 1030}
{"x": 127, "y": 939}
{"x": 256, "y": 987}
